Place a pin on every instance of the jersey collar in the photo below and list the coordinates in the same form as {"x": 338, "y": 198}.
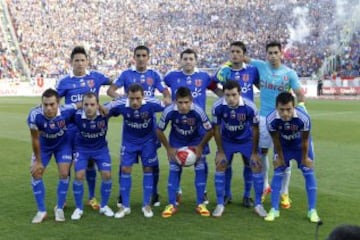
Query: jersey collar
{"x": 278, "y": 115}
{"x": 133, "y": 68}
{"x": 196, "y": 70}
{"x": 127, "y": 104}
{"x": 57, "y": 114}
{"x": 72, "y": 74}
{"x": 241, "y": 101}
{"x": 83, "y": 115}
{"x": 192, "y": 107}
{"x": 244, "y": 66}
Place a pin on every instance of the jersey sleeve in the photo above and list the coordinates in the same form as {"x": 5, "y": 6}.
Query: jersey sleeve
{"x": 120, "y": 81}
{"x": 257, "y": 63}
{"x": 158, "y": 82}
{"x": 270, "y": 123}
{"x": 204, "y": 118}
{"x": 105, "y": 80}
{"x": 31, "y": 119}
{"x": 252, "y": 112}
{"x": 256, "y": 77}
{"x": 294, "y": 80}
{"x": 61, "y": 87}
{"x": 216, "y": 115}
{"x": 164, "y": 119}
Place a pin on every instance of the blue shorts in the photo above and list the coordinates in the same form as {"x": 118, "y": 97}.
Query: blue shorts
{"x": 244, "y": 149}
{"x": 100, "y": 156}
{"x": 147, "y": 151}
{"x": 297, "y": 155}
{"x": 63, "y": 154}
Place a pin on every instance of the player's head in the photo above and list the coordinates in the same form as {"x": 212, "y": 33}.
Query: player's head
{"x": 183, "y": 99}
{"x": 135, "y": 95}
{"x": 90, "y": 104}
{"x": 232, "y": 93}
{"x": 188, "y": 59}
{"x": 50, "y": 102}
{"x": 79, "y": 60}
{"x": 345, "y": 231}
{"x": 141, "y": 57}
{"x": 273, "y": 53}
{"x": 237, "y": 52}
{"x": 285, "y": 105}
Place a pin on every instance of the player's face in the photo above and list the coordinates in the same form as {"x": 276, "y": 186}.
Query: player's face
{"x": 50, "y": 106}
{"x": 236, "y": 54}
{"x": 79, "y": 64}
{"x": 184, "y": 104}
{"x": 141, "y": 57}
{"x": 274, "y": 56}
{"x": 286, "y": 111}
{"x": 188, "y": 62}
{"x": 232, "y": 97}
{"x": 135, "y": 99}
{"x": 90, "y": 106}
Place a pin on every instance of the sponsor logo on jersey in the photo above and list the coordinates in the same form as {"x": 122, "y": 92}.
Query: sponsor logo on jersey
{"x": 91, "y": 83}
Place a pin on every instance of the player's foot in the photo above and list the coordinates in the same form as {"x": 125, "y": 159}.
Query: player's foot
{"x": 227, "y": 200}
{"x": 119, "y": 202}
{"x": 122, "y": 212}
{"x": 248, "y": 202}
{"x": 206, "y": 199}
{"x": 148, "y": 213}
{"x": 266, "y": 192}
{"x": 93, "y": 203}
{"x": 218, "y": 211}
{"x": 178, "y": 198}
{"x": 155, "y": 200}
{"x": 202, "y": 210}
{"x": 77, "y": 214}
{"x": 285, "y": 201}
{"x": 313, "y": 216}
{"x": 260, "y": 211}
{"x": 107, "y": 211}
{"x": 59, "y": 214}
{"x": 272, "y": 215}
{"x": 39, "y": 217}
{"x": 169, "y": 211}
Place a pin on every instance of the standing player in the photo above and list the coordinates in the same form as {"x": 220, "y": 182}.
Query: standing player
{"x": 247, "y": 76}
{"x": 72, "y": 87}
{"x": 289, "y": 128}
{"x": 190, "y": 126}
{"x": 91, "y": 144}
{"x": 150, "y": 80}
{"x": 236, "y": 130}
{"x": 48, "y": 127}
{"x": 138, "y": 140}
{"x": 274, "y": 78}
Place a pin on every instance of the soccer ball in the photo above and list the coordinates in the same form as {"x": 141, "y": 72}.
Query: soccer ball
{"x": 185, "y": 156}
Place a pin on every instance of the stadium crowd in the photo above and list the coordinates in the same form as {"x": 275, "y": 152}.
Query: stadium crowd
{"x": 48, "y": 29}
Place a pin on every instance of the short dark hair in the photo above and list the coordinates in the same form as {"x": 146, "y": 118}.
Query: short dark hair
{"x": 188, "y": 51}
{"x": 90, "y": 95}
{"x": 231, "y": 84}
{"x": 50, "y": 93}
{"x": 136, "y": 88}
{"x": 345, "y": 231}
{"x": 273, "y": 44}
{"x": 142, "y": 47}
{"x": 183, "y": 92}
{"x": 78, "y": 50}
{"x": 284, "y": 98}
{"x": 239, "y": 44}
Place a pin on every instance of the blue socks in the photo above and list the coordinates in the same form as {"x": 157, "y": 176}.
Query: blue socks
{"x": 173, "y": 182}
{"x": 311, "y": 186}
{"x": 105, "y": 192}
{"x": 148, "y": 181}
{"x": 219, "y": 186}
{"x": 200, "y": 181}
{"x": 78, "y": 190}
{"x": 125, "y": 188}
{"x": 39, "y": 193}
{"x": 62, "y": 189}
{"x": 247, "y": 174}
{"x": 91, "y": 181}
{"x": 258, "y": 180}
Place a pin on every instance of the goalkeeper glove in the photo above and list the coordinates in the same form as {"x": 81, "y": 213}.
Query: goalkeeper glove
{"x": 224, "y": 72}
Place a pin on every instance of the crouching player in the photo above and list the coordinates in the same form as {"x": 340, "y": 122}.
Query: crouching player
{"x": 289, "y": 128}
{"x": 91, "y": 144}
{"x": 190, "y": 126}
{"x": 48, "y": 127}
{"x": 236, "y": 130}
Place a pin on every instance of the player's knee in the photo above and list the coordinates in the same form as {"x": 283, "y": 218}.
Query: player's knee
{"x": 125, "y": 169}
{"x": 106, "y": 175}
{"x": 306, "y": 170}
{"x": 147, "y": 169}
{"x": 80, "y": 175}
{"x": 221, "y": 166}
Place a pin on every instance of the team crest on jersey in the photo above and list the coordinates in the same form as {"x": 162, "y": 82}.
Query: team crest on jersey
{"x": 52, "y": 125}
{"x": 188, "y": 81}
{"x": 101, "y": 124}
{"x": 91, "y": 83}
{"x": 191, "y": 121}
{"x": 136, "y": 114}
{"x": 198, "y": 82}
{"x": 232, "y": 114}
{"x": 294, "y": 127}
{"x": 149, "y": 81}
{"x": 61, "y": 124}
{"x": 241, "y": 117}
{"x": 144, "y": 115}
{"x": 245, "y": 77}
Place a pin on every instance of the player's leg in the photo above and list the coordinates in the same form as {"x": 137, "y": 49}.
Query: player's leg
{"x": 248, "y": 176}
{"x": 172, "y": 187}
{"x": 91, "y": 182}
{"x": 228, "y": 178}
{"x": 265, "y": 143}
{"x": 258, "y": 182}
{"x": 80, "y": 163}
{"x": 155, "y": 198}
{"x": 200, "y": 185}
{"x": 285, "y": 199}
{"x": 219, "y": 179}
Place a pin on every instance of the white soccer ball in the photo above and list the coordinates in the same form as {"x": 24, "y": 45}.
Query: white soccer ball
{"x": 186, "y": 156}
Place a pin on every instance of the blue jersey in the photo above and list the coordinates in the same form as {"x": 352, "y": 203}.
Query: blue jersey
{"x": 272, "y": 82}
{"x": 246, "y": 77}
{"x": 186, "y": 129}
{"x": 236, "y": 122}
{"x": 290, "y": 131}
{"x": 138, "y": 124}
{"x": 91, "y": 134}
{"x": 149, "y": 80}
{"x": 53, "y": 132}
{"x": 72, "y": 87}
{"x": 196, "y": 82}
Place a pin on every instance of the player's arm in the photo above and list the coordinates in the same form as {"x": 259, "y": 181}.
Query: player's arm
{"x": 220, "y": 154}
{"x": 279, "y": 161}
{"x": 111, "y": 92}
{"x": 167, "y": 96}
{"x": 171, "y": 152}
{"x": 37, "y": 167}
{"x": 254, "y": 153}
{"x": 305, "y": 149}
{"x": 199, "y": 148}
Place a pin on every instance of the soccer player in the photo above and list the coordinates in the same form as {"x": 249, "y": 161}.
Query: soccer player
{"x": 190, "y": 126}
{"x": 48, "y": 127}
{"x": 194, "y": 79}
{"x": 72, "y": 87}
{"x": 91, "y": 144}
{"x": 289, "y": 127}
{"x": 247, "y": 76}
{"x": 236, "y": 130}
{"x": 150, "y": 80}
{"x": 274, "y": 78}
{"x": 138, "y": 140}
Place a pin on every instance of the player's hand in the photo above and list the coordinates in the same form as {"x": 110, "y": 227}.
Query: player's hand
{"x": 278, "y": 162}
{"x": 167, "y": 101}
{"x": 103, "y": 111}
{"x": 171, "y": 152}
{"x": 307, "y": 162}
{"x": 220, "y": 161}
{"x": 37, "y": 170}
{"x": 224, "y": 72}
{"x": 255, "y": 162}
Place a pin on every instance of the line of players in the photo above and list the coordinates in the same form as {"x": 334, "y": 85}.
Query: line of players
{"x": 52, "y": 126}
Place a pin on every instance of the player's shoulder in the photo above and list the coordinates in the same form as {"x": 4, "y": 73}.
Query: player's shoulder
{"x": 272, "y": 116}
{"x": 34, "y": 111}
{"x": 119, "y": 101}
{"x": 198, "y": 109}
{"x": 153, "y": 71}
{"x": 218, "y": 102}
{"x": 67, "y": 107}
{"x": 152, "y": 100}
{"x": 202, "y": 72}
{"x": 302, "y": 115}
{"x": 248, "y": 102}
{"x": 173, "y": 72}
{"x": 96, "y": 73}
{"x": 63, "y": 79}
